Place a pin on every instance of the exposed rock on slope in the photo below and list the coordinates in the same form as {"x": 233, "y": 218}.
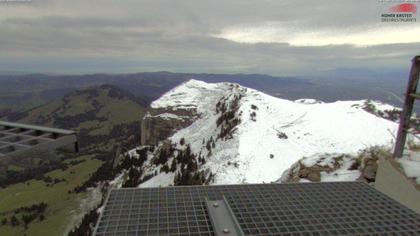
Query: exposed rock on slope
{"x": 158, "y": 124}
{"x": 380, "y": 109}
{"x": 337, "y": 167}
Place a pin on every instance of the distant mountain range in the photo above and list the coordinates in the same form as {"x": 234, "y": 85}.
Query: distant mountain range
{"x": 21, "y": 92}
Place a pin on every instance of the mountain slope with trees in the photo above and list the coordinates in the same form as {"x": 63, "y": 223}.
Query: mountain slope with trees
{"x": 240, "y": 135}
{"x": 106, "y": 119}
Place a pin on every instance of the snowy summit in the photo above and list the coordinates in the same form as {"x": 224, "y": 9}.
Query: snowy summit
{"x": 246, "y": 136}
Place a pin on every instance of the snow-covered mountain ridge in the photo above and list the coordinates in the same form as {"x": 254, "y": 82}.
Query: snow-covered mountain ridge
{"x": 240, "y": 135}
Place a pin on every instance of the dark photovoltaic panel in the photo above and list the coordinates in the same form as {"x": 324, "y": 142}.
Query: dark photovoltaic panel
{"x": 17, "y": 139}
{"x": 345, "y": 208}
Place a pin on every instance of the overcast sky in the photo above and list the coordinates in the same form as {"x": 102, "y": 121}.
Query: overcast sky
{"x": 294, "y": 37}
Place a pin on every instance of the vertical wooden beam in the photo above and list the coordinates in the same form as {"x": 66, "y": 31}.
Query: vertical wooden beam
{"x": 407, "y": 108}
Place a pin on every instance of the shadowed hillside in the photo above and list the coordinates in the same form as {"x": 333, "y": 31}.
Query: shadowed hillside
{"x": 106, "y": 119}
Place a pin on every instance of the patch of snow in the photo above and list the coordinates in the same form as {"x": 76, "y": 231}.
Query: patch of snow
{"x": 308, "y": 101}
{"x": 160, "y": 180}
{"x": 191, "y": 94}
{"x": 411, "y": 167}
{"x": 342, "y": 173}
{"x": 311, "y": 129}
{"x": 170, "y": 116}
{"x": 100, "y": 209}
{"x": 322, "y": 159}
{"x": 118, "y": 181}
{"x": 380, "y": 106}
{"x": 329, "y": 159}
{"x": 133, "y": 153}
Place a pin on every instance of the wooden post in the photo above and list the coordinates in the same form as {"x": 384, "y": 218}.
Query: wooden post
{"x": 405, "y": 116}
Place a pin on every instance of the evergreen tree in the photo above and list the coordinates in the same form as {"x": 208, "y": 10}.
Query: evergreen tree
{"x": 182, "y": 141}
{"x": 14, "y": 221}
{"x": 165, "y": 168}
{"x": 188, "y": 151}
{"x": 173, "y": 165}
{"x": 208, "y": 145}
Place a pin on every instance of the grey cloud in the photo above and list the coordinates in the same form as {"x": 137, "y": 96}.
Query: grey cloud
{"x": 108, "y": 36}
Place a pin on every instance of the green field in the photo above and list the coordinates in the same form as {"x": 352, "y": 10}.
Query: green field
{"x": 104, "y": 117}
{"x": 62, "y": 206}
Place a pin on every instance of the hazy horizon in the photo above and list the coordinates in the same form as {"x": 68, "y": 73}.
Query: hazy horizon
{"x": 280, "y": 38}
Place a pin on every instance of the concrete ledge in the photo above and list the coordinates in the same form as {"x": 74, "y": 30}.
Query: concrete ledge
{"x": 392, "y": 182}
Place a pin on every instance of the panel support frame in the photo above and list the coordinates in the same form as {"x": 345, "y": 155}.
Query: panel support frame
{"x": 222, "y": 218}
{"x": 410, "y": 97}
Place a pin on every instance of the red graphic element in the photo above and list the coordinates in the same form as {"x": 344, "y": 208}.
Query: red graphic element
{"x": 405, "y": 7}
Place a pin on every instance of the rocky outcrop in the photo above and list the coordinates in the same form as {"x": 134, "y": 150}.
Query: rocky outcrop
{"x": 365, "y": 163}
{"x": 158, "y": 124}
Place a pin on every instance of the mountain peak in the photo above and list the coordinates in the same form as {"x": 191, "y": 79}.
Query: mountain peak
{"x": 246, "y": 136}
{"x": 193, "y": 94}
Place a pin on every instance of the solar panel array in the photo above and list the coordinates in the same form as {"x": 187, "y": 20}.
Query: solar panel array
{"x": 345, "y": 208}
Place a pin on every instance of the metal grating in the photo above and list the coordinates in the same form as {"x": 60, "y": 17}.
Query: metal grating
{"x": 345, "y": 208}
{"x": 16, "y": 138}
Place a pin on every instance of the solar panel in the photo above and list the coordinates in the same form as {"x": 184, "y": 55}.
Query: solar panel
{"x": 344, "y": 208}
{"x": 19, "y": 139}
